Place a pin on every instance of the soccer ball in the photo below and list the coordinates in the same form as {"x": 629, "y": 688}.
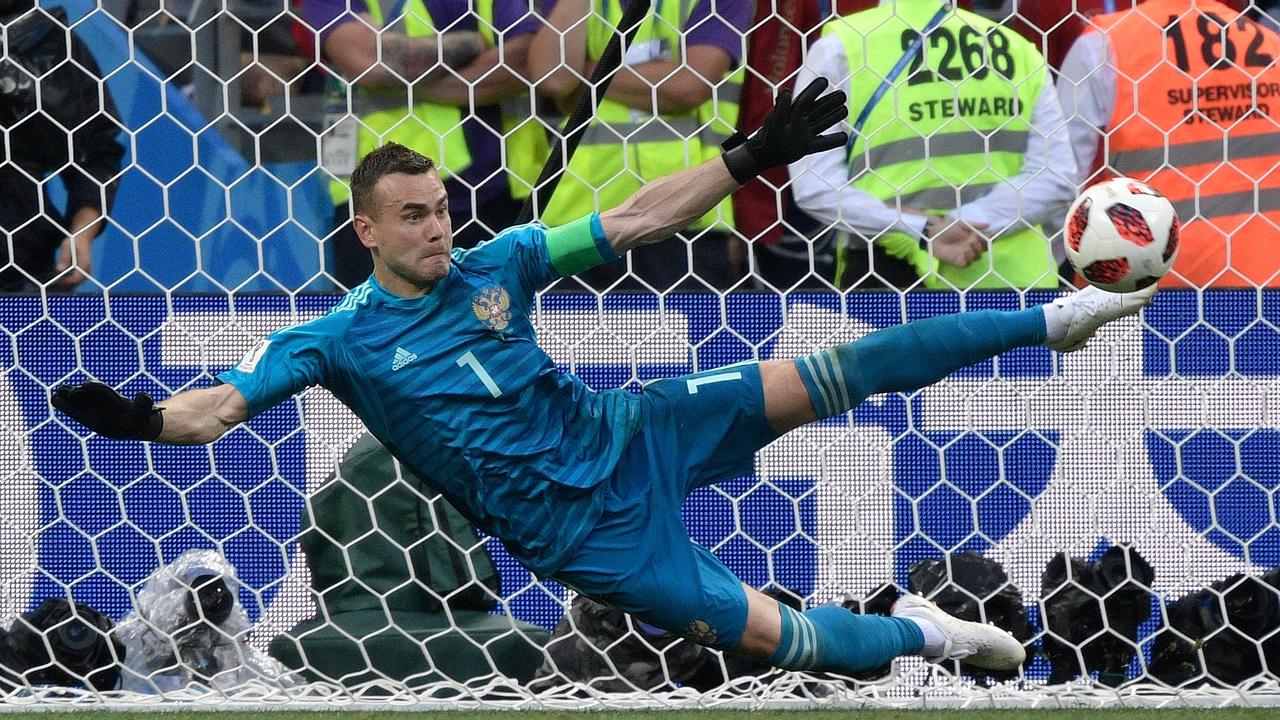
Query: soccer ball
{"x": 1121, "y": 235}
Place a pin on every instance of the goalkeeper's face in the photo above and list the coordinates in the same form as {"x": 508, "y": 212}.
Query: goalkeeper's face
{"x": 409, "y": 232}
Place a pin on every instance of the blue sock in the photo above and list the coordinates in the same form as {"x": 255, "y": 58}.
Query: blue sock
{"x": 911, "y": 356}
{"x": 832, "y": 639}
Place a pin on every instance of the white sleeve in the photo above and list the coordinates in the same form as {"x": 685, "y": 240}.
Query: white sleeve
{"x": 820, "y": 182}
{"x": 1044, "y": 186}
{"x": 1087, "y": 93}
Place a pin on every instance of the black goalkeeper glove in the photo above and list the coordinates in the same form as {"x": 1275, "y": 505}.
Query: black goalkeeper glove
{"x": 791, "y": 130}
{"x": 108, "y": 413}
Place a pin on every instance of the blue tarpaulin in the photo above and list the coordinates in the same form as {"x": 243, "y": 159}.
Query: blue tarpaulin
{"x": 192, "y": 215}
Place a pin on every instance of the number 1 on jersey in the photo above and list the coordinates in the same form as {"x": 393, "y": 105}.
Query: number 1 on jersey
{"x": 694, "y": 383}
{"x": 468, "y": 359}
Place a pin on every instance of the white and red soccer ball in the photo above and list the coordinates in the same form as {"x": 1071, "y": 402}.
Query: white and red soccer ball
{"x": 1121, "y": 235}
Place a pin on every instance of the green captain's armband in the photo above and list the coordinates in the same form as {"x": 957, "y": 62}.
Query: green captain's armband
{"x": 579, "y": 246}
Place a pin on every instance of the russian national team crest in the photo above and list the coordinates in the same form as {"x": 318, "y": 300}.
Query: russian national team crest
{"x": 492, "y": 307}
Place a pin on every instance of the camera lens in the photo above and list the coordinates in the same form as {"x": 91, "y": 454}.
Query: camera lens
{"x": 214, "y": 598}
{"x": 74, "y": 637}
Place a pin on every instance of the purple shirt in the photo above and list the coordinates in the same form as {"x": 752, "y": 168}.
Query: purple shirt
{"x": 722, "y": 23}
{"x": 511, "y": 19}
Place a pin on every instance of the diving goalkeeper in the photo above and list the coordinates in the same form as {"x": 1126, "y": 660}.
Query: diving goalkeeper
{"x": 436, "y": 354}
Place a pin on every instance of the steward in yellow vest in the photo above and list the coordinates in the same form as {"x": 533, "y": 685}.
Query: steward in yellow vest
{"x": 946, "y": 137}
{"x": 416, "y": 83}
{"x": 670, "y": 106}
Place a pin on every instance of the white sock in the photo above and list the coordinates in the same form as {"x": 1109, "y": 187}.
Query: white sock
{"x": 1055, "y": 325}
{"x": 934, "y": 641}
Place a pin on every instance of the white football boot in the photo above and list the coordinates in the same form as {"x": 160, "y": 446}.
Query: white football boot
{"x": 984, "y": 646}
{"x": 1085, "y": 310}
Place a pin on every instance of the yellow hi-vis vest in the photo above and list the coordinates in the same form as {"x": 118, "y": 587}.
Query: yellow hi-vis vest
{"x": 525, "y": 147}
{"x": 623, "y": 148}
{"x": 952, "y": 127}
{"x": 435, "y": 130}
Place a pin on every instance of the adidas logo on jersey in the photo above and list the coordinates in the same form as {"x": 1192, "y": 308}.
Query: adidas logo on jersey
{"x": 403, "y": 357}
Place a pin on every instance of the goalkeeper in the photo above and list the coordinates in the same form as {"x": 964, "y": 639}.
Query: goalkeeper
{"x": 436, "y": 354}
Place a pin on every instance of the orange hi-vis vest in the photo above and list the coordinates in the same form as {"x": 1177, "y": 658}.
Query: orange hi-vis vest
{"x": 1197, "y": 115}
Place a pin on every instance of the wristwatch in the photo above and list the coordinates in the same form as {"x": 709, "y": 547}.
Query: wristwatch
{"x": 927, "y": 232}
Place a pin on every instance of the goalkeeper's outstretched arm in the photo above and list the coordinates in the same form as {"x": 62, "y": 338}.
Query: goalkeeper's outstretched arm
{"x": 791, "y": 130}
{"x": 194, "y": 417}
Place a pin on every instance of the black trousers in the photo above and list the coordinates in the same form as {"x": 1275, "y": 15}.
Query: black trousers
{"x": 34, "y": 237}
{"x": 868, "y": 267}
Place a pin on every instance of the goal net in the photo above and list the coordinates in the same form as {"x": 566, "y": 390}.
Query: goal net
{"x": 1115, "y": 508}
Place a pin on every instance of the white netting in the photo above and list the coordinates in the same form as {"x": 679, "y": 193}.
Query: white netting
{"x": 1161, "y": 437}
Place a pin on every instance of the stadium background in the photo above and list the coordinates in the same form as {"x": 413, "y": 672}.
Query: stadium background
{"x": 955, "y": 467}
{"x": 1184, "y": 405}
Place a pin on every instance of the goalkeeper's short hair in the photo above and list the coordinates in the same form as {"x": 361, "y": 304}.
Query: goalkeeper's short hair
{"x": 386, "y": 160}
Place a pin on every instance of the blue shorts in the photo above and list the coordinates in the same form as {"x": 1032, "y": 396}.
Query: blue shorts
{"x": 696, "y": 430}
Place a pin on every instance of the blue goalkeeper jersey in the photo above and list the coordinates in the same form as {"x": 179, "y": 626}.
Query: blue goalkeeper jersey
{"x": 455, "y": 385}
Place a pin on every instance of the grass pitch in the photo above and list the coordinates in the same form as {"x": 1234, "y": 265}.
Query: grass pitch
{"x": 1074, "y": 714}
